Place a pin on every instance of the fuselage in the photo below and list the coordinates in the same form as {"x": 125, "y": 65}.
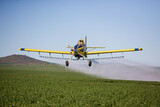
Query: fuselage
{"x": 79, "y": 50}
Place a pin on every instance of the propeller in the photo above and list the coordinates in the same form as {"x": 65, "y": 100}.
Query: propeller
{"x": 68, "y": 46}
{"x": 86, "y": 41}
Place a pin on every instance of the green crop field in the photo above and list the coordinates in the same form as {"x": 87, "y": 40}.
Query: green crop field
{"x": 53, "y": 85}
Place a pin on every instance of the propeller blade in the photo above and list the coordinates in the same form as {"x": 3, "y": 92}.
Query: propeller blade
{"x": 68, "y": 46}
{"x": 86, "y": 41}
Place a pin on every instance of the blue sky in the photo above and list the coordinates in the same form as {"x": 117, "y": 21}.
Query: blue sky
{"x": 52, "y": 24}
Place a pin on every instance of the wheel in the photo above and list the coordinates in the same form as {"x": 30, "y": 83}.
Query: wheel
{"x": 67, "y": 63}
{"x": 90, "y": 63}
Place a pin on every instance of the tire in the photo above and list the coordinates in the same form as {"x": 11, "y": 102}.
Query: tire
{"x": 90, "y": 63}
{"x": 67, "y": 63}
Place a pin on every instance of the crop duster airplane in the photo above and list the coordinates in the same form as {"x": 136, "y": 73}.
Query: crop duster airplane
{"x": 80, "y": 50}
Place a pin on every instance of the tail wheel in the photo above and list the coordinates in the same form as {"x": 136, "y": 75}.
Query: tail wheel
{"x": 90, "y": 63}
{"x": 67, "y": 63}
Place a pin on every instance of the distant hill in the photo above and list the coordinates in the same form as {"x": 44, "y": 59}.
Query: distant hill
{"x": 20, "y": 60}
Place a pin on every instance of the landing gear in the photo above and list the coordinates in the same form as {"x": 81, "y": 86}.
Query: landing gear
{"x": 67, "y": 63}
{"x": 84, "y": 57}
{"x": 90, "y": 63}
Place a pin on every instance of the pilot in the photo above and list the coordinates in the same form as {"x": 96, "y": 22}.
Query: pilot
{"x": 80, "y": 41}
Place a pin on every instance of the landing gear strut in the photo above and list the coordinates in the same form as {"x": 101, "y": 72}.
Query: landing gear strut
{"x": 67, "y": 62}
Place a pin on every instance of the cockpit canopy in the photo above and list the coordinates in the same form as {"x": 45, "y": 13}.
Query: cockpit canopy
{"x": 81, "y": 41}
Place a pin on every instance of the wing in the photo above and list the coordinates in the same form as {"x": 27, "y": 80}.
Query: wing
{"x": 45, "y": 51}
{"x": 114, "y": 51}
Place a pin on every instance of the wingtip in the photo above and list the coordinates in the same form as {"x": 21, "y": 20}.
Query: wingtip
{"x": 140, "y": 49}
{"x": 21, "y": 49}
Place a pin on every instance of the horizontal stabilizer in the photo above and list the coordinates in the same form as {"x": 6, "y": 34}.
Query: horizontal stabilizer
{"x": 95, "y": 47}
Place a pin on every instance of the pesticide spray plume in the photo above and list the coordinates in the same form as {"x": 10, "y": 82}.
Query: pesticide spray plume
{"x": 120, "y": 69}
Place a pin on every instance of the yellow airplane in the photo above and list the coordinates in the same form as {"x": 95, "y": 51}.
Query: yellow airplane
{"x": 80, "y": 50}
